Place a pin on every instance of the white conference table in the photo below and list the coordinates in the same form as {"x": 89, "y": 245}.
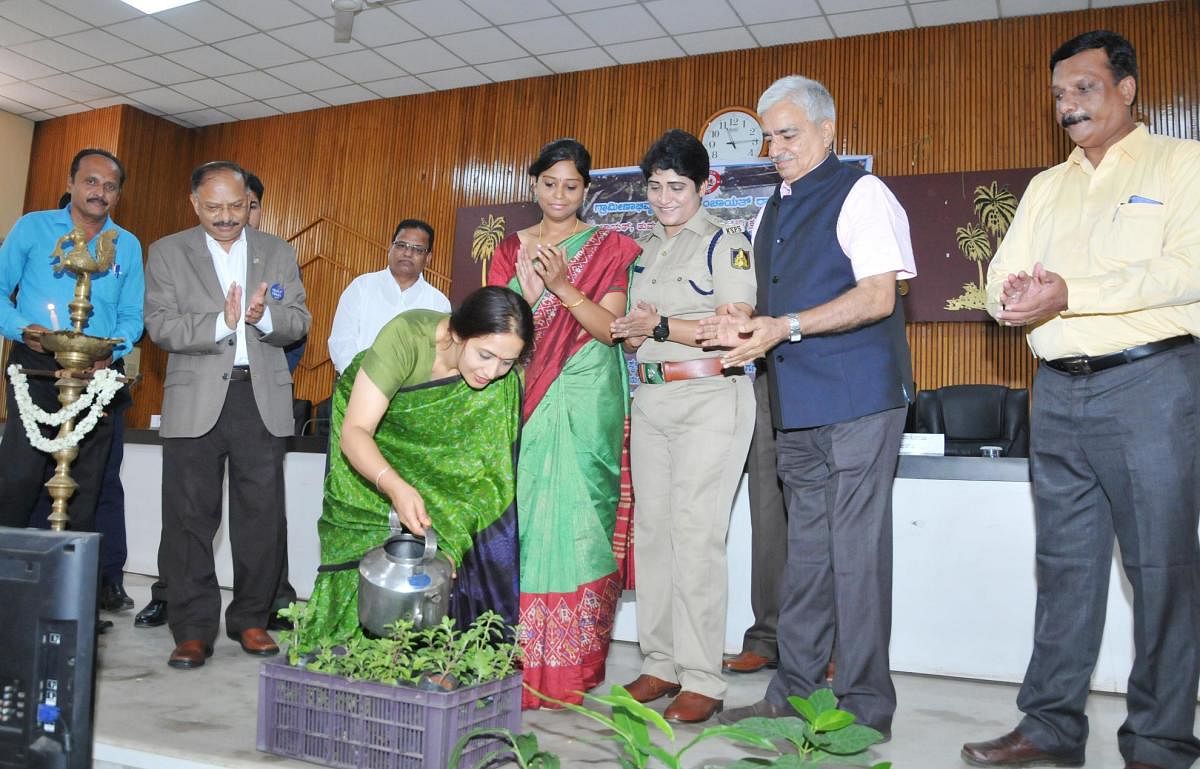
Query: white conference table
{"x": 963, "y": 594}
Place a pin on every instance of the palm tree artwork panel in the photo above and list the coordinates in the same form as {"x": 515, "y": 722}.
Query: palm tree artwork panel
{"x": 957, "y": 223}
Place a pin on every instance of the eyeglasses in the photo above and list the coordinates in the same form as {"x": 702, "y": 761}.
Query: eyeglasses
{"x": 412, "y": 248}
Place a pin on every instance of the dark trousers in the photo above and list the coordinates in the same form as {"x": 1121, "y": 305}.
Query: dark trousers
{"x": 1115, "y": 453}
{"x": 23, "y": 469}
{"x": 193, "y": 474}
{"x": 768, "y": 527}
{"x": 110, "y": 508}
{"x": 285, "y": 594}
{"x": 838, "y": 580}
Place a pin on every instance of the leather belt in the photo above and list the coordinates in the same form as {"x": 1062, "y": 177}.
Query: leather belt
{"x": 677, "y": 371}
{"x": 239, "y": 374}
{"x": 1080, "y": 365}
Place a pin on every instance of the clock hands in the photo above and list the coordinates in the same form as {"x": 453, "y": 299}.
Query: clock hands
{"x": 731, "y": 135}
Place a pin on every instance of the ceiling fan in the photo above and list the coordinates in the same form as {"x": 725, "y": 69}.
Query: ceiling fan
{"x": 344, "y": 12}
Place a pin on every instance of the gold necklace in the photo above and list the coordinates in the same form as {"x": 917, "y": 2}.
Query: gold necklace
{"x": 542, "y": 229}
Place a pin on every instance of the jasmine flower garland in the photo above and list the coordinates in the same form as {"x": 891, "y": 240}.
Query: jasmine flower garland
{"x": 99, "y": 393}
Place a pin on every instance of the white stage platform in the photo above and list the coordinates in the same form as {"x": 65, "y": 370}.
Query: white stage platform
{"x": 963, "y": 589}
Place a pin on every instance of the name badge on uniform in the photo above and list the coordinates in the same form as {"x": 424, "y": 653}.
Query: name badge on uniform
{"x": 739, "y": 259}
{"x": 277, "y": 292}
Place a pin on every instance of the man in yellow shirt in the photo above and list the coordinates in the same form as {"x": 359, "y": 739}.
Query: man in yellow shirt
{"x": 1102, "y": 266}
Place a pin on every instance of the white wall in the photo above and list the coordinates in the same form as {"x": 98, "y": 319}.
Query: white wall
{"x": 16, "y": 139}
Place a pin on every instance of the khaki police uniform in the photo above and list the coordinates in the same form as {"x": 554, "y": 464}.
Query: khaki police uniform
{"x": 688, "y": 444}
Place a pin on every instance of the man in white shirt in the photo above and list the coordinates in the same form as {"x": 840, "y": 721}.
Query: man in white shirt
{"x": 371, "y": 300}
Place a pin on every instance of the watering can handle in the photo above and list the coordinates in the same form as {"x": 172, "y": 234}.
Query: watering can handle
{"x": 431, "y": 540}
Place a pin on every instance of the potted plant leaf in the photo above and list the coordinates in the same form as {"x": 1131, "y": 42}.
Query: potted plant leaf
{"x": 401, "y": 700}
{"x": 820, "y": 734}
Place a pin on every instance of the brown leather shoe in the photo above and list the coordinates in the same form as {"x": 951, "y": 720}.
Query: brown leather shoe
{"x": 255, "y": 640}
{"x": 648, "y": 688}
{"x": 1015, "y": 749}
{"x": 748, "y": 662}
{"x": 189, "y": 654}
{"x": 692, "y": 708}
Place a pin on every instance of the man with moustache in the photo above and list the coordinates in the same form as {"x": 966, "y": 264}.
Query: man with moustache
{"x": 831, "y": 244}
{"x": 154, "y": 613}
{"x": 1102, "y": 266}
{"x": 94, "y": 185}
{"x": 223, "y": 299}
{"x": 371, "y": 300}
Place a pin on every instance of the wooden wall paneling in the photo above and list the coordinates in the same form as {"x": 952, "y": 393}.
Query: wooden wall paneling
{"x": 55, "y": 143}
{"x": 964, "y": 97}
{"x": 155, "y": 204}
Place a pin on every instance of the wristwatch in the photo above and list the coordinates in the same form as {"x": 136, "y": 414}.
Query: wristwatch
{"x": 662, "y": 330}
{"x": 794, "y": 334}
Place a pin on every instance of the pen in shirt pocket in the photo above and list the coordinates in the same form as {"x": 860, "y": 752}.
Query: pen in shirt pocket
{"x": 1136, "y": 200}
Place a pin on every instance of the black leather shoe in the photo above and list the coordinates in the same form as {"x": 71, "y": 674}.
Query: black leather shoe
{"x": 114, "y": 598}
{"x": 153, "y": 615}
{"x": 277, "y": 622}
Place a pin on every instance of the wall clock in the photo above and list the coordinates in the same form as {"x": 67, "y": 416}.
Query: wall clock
{"x": 732, "y": 134}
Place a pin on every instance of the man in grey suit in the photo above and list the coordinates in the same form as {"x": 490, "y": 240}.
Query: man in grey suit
{"x": 223, "y": 299}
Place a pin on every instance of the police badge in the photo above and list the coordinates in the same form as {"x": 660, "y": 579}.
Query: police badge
{"x": 739, "y": 259}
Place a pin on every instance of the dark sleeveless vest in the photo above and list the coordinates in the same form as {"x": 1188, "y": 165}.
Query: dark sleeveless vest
{"x": 822, "y": 380}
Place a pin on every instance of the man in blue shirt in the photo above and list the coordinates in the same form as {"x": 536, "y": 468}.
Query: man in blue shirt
{"x": 42, "y": 298}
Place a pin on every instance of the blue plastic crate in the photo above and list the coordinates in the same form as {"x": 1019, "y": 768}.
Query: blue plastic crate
{"x": 333, "y": 721}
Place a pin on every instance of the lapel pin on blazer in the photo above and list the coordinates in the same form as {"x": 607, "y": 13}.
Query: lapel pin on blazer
{"x": 277, "y": 292}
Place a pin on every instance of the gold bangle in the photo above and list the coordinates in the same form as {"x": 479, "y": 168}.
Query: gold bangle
{"x": 573, "y": 305}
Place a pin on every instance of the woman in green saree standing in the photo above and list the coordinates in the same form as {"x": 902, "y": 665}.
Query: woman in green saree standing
{"x": 573, "y": 463}
{"x": 425, "y": 422}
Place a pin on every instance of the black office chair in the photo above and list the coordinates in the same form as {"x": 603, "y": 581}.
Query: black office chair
{"x": 321, "y": 416}
{"x": 301, "y": 411}
{"x": 971, "y": 416}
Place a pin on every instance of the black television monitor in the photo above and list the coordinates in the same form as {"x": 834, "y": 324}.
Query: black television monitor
{"x": 47, "y": 647}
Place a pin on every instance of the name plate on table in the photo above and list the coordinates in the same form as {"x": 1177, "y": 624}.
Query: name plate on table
{"x": 923, "y": 444}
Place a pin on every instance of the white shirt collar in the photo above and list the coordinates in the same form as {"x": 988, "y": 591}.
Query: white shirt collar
{"x": 213, "y": 245}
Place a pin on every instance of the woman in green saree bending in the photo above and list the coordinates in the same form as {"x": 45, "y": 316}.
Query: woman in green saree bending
{"x": 569, "y": 482}
{"x": 425, "y": 422}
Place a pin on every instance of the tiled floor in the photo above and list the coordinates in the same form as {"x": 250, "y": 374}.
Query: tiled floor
{"x": 149, "y": 715}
